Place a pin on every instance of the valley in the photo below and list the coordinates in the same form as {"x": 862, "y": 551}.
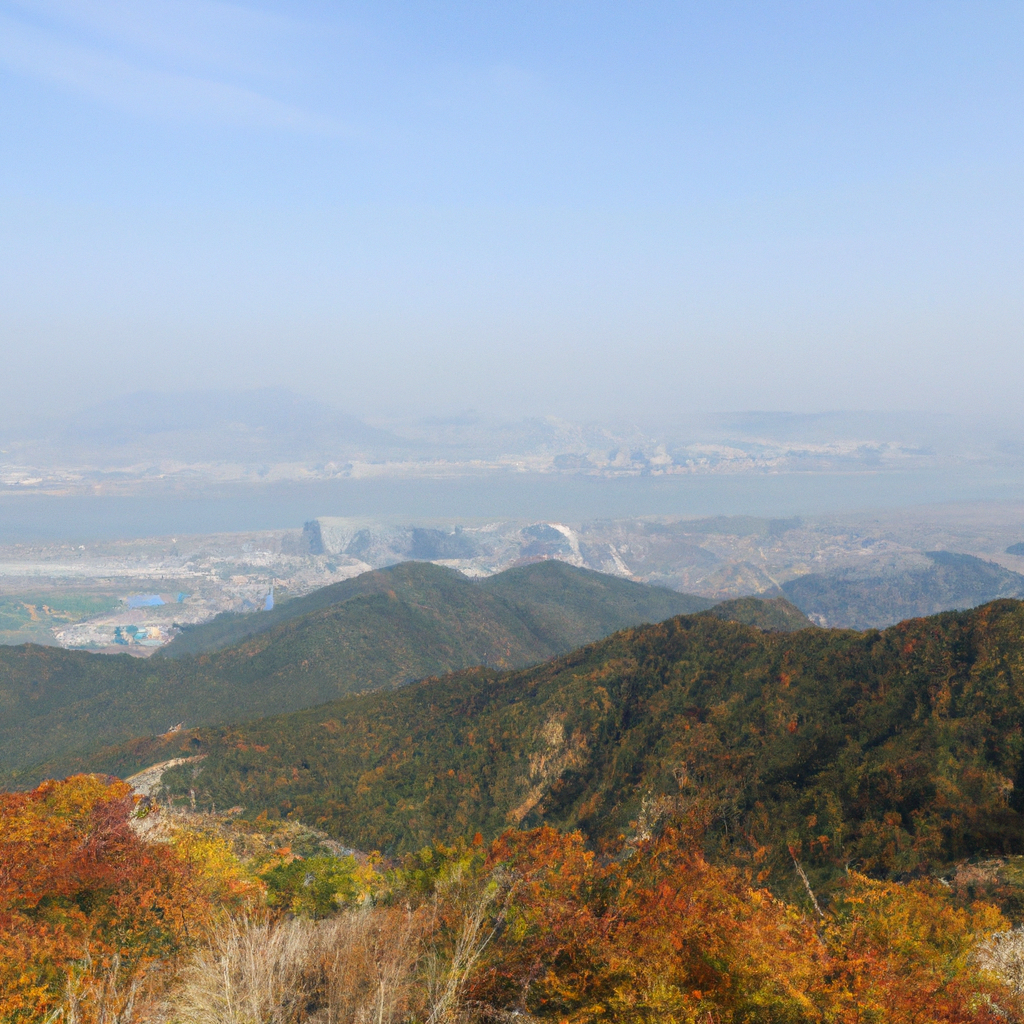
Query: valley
{"x": 584, "y": 766}
{"x": 851, "y": 570}
{"x": 381, "y": 629}
{"x": 382, "y": 773}
{"x": 818, "y": 796}
{"x": 511, "y": 513}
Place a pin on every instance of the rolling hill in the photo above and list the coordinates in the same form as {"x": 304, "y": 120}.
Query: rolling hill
{"x": 895, "y": 752}
{"x": 561, "y": 605}
{"x": 772, "y": 614}
{"x": 867, "y": 599}
{"x": 382, "y": 629}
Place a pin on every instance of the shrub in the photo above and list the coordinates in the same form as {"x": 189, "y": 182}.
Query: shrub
{"x": 314, "y": 887}
{"x": 88, "y": 909}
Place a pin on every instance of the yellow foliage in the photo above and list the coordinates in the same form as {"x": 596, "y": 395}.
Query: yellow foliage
{"x": 214, "y": 865}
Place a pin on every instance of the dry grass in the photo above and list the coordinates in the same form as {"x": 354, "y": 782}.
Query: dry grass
{"x": 111, "y": 996}
{"x": 478, "y": 920}
{"x": 1003, "y": 955}
{"x": 360, "y": 967}
{"x": 367, "y": 965}
{"x": 371, "y": 961}
{"x": 373, "y": 965}
{"x": 356, "y": 967}
{"x": 253, "y": 972}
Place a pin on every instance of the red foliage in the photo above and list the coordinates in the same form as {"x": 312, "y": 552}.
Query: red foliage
{"x": 656, "y": 932}
{"x": 651, "y": 931}
{"x": 84, "y": 902}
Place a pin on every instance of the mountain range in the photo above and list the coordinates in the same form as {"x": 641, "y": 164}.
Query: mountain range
{"x": 893, "y": 753}
{"x": 380, "y": 630}
{"x": 879, "y": 595}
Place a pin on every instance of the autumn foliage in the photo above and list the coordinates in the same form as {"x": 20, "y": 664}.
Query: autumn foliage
{"x": 87, "y": 907}
{"x": 656, "y": 932}
{"x": 651, "y": 933}
{"x": 538, "y": 925}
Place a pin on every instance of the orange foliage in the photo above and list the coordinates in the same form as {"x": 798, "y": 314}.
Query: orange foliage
{"x": 904, "y": 953}
{"x": 85, "y": 904}
{"x": 656, "y": 932}
{"x": 647, "y": 932}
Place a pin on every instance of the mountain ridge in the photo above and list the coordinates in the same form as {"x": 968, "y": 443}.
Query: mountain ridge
{"x": 870, "y": 599}
{"x": 384, "y": 629}
{"x": 230, "y": 628}
{"x": 890, "y": 750}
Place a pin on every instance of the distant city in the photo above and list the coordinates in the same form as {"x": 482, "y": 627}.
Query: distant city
{"x": 856, "y": 570}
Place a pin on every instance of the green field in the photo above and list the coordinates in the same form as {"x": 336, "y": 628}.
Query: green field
{"x": 30, "y": 618}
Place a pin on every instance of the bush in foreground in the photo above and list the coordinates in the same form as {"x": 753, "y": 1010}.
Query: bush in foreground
{"x": 99, "y": 924}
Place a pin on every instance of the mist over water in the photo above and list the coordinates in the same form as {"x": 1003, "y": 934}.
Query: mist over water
{"x": 26, "y": 518}
{"x": 504, "y": 262}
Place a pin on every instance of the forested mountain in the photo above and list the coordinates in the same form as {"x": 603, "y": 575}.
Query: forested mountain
{"x": 895, "y": 752}
{"x": 761, "y": 819}
{"x": 559, "y": 605}
{"x": 382, "y": 629}
{"x": 774, "y": 614}
{"x": 873, "y": 598}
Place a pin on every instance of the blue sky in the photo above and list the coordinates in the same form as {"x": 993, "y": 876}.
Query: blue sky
{"x": 584, "y": 209}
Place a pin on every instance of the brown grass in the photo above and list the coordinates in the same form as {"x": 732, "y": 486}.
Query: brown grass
{"x": 370, "y": 965}
{"x": 365, "y": 965}
{"x": 356, "y": 967}
{"x": 113, "y": 996}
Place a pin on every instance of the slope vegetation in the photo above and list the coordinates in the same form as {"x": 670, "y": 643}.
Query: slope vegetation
{"x": 380, "y": 630}
{"x": 865, "y": 599}
{"x": 560, "y": 606}
{"x": 773, "y": 614}
{"x": 892, "y": 752}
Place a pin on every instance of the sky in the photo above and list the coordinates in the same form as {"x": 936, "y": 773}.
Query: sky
{"x": 591, "y": 210}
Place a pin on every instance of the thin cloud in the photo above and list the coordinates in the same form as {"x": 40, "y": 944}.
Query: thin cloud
{"x": 131, "y": 86}
{"x": 226, "y": 37}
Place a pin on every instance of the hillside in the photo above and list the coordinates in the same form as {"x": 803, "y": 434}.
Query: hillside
{"x": 382, "y": 629}
{"x": 773, "y": 614}
{"x": 895, "y": 752}
{"x": 869, "y": 599}
{"x": 563, "y": 605}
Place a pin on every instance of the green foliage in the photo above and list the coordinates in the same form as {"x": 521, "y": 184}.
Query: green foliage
{"x": 425, "y": 871}
{"x": 775, "y": 614}
{"x": 562, "y": 606}
{"x": 896, "y": 753}
{"x": 314, "y": 887}
{"x": 380, "y": 630}
{"x": 569, "y": 607}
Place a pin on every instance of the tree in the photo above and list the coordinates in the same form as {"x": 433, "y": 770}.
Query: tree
{"x": 87, "y": 907}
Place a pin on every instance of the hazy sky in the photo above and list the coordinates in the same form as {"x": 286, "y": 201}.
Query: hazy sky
{"x": 576, "y": 208}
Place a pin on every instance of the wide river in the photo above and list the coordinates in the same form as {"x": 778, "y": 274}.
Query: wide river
{"x": 31, "y": 517}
